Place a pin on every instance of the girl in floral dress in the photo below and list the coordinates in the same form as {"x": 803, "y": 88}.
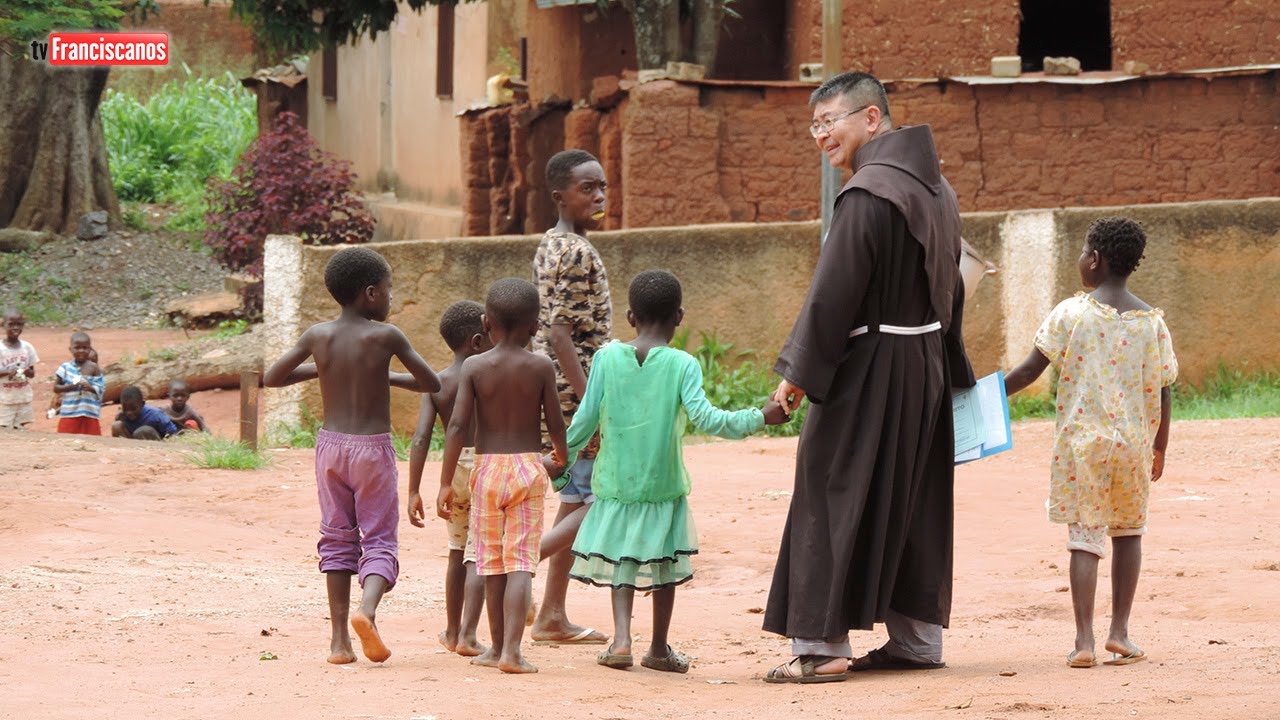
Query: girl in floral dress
{"x": 639, "y": 534}
{"x": 1115, "y": 363}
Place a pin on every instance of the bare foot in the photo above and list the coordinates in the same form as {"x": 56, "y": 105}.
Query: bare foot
{"x": 370, "y": 640}
{"x": 516, "y": 666}
{"x": 470, "y": 648}
{"x": 488, "y": 658}
{"x": 444, "y": 640}
{"x": 340, "y": 652}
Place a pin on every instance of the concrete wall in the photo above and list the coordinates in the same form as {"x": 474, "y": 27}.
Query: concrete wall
{"x": 1212, "y": 266}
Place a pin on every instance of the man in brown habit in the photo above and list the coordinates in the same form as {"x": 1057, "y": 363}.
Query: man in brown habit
{"x": 877, "y": 349}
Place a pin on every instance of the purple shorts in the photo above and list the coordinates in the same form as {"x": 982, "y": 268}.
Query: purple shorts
{"x": 357, "y": 480}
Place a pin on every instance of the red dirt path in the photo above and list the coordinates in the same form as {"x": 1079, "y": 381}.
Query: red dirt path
{"x": 139, "y": 586}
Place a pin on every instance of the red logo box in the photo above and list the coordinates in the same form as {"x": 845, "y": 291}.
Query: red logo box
{"x": 107, "y": 48}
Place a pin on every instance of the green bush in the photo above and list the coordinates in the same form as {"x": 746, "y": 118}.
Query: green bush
{"x": 734, "y": 382}
{"x": 165, "y": 150}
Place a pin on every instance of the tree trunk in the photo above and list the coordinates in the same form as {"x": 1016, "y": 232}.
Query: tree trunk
{"x": 657, "y": 25}
{"x": 53, "y": 159}
{"x": 707, "y": 16}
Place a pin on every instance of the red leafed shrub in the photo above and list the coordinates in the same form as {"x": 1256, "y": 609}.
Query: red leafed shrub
{"x": 284, "y": 185}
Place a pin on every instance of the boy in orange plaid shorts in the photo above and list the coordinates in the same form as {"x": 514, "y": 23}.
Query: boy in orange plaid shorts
{"x": 508, "y": 391}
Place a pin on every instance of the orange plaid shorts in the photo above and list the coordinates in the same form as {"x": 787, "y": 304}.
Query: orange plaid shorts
{"x": 507, "y": 492}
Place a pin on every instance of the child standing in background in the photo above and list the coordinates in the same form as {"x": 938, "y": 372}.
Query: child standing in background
{"x": 17, "y": 366}
{"x": 80, "y": 385}
{"x": 1116, "y": 363}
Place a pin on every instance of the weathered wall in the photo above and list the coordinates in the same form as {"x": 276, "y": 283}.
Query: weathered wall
{"x": 207, "y": 38}
{"x": 389, "y": 123}
{"x": 949, "y": 38}
{"x": 709, "y": 153}
{"x": 1213, "y": 267}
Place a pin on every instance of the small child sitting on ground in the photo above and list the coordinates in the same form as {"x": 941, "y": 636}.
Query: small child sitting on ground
{"x": 80, "y": 385}
{"x": 1116, "y": 362}
{"x": 17, "y": 366}
{"x": 639, "y": 534}
{"x": 508, "y": 391}
{"x": 140, "y": 421}
{"x": 180, "y": 412}
{"x": 463, "y": 332}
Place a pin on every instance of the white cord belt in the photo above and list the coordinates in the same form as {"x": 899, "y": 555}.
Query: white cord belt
{"x": 899, "y": 329}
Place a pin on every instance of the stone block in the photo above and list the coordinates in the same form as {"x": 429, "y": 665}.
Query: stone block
{"x": 606, "y": 91}
{"x": 1134, "y": 67}
{"x": 1061, "y": 66}
{"x": 811, "y": 72}
{"x": 93, "y": 225}
{"x": 1006, "y": 66}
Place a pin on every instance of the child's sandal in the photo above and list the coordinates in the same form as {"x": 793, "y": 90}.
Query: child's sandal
{"x": 674, "y": 662}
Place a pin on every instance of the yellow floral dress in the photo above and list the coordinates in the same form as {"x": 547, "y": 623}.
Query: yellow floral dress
{"x": 1111, "y": 366}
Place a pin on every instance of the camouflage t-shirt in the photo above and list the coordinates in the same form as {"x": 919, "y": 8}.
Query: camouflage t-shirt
{"x": 573, "y": 290}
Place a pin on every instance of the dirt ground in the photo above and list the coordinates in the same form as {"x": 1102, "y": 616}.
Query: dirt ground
{"x": 140, "y": 586}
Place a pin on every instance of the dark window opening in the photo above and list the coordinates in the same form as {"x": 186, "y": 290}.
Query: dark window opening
{"x": 444, "y": 52}
{"x": 329, "y": 73}
{"x": 1056, "y": 28}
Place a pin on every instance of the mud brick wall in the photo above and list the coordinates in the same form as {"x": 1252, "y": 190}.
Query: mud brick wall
{"x": 207, "y": 38}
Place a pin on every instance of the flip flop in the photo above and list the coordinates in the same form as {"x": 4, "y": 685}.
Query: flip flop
{"x": 619, "y": 661}
{"x": 1076, "y": 662}
{"x": 880, "y": 659}
{"x": 674, "y": 662}
{"x": 582, "y": 638}
{"x": 786, "y": 672}
{"x": 1137, "y": 655}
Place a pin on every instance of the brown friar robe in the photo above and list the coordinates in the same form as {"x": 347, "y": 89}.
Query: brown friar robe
{"x": 870, "y": 523}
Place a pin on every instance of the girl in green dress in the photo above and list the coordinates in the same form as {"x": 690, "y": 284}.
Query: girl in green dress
{"x": 639, "y": 534}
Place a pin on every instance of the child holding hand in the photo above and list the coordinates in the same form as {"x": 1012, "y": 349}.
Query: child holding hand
{"x": 1116, "y": 362}
{"x": 639, "y": 534}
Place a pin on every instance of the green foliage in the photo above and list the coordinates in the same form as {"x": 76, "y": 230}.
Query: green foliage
{"x": 1031, "y": 407}
{"x": 301, "y": 435}
{"x": 306, "y": 26}
{"x": 163, "y": 355}
{"x": 733, "y": 382}
{"x": 214, "y": 452}
{"x": 1229, "y": 393}
{"x": 230, "y": 328}
{"x": 27, "y": 20}
{"x": 167, "y": 148}
{"x": 43, "y": 298}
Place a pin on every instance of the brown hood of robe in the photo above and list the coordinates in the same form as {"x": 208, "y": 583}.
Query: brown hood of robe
{"x": 902, "y": 167}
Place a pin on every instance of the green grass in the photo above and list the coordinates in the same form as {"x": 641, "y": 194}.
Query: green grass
{"x": 212, "y": 452}
{"x": 299, "y": 435}
{"x": 1227, "y": 393}
{"x": 167, "y": 148}
{"x": 230, "y": 328}
{"x": 44, "y": 299}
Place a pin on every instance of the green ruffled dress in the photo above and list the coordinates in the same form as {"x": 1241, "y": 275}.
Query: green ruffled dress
{"x": 639, "y": 532}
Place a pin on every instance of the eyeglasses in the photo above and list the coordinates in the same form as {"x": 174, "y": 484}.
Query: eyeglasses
{"x": 829, "y": 124}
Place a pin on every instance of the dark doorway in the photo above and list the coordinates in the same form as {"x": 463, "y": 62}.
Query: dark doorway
{"x": 1056, "y": 28}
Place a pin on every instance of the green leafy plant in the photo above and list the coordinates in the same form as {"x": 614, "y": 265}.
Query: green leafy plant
{"x": 733, "y": 381}
{"x": 230, "y": 328}
{"x": 213, "y": 452}
{"x": 299, "y": 435}
{"x": 167, "y": 148}
{"x": 45, "y": 299}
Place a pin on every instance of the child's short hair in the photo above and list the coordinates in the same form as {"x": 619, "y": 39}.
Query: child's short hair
{"x": 179, "y": 385}
{"x": 1118, "y": 240}
{"x": 560, "y": 166}
{"x": 353, "y": 269}
{"x": 80, "y": 335}
{"x": 655, "y": 296}
{"x": 13, "y": 312}
{"x": 511, "y": 302}
{"x": 460, "y": 322}
{"x": 130, "y": 393}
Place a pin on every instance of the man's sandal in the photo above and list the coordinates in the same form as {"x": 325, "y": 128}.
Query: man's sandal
{"x": 880, "y": 659}
{"x": 803, "y": 669}
{"x": 617, "y": 661}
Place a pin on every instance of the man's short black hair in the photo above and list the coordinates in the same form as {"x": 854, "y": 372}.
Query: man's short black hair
{"x": 1118, "y": 240}
{"x": 131, "y": 393}
{"x": 353, "y": 269}
{"x": 460, "y": 322}
{"x": 655, "y": 296}
{"x": 511, "y": 302}
{"x": 861, "y": 89}
{"x": 560, "y": 166}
